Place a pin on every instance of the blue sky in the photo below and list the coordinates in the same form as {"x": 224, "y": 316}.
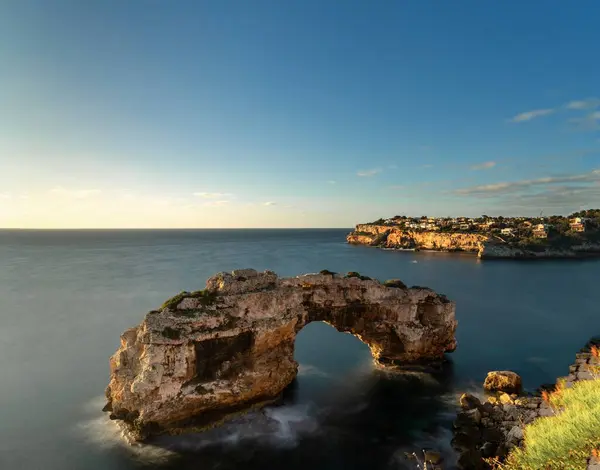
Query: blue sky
{"x": 289, "y": 113}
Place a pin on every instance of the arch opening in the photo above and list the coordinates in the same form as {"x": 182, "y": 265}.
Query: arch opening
{"x": 321, "y": 350}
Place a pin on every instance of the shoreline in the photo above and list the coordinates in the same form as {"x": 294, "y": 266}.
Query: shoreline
{"x": 488, "y": 430}
{"x": 482, "y": 246}
{"x": 570, "y": 256}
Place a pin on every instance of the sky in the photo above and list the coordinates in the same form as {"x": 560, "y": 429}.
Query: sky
{"x": 312, "y": 113}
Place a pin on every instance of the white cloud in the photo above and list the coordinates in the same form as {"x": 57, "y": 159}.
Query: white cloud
{"x": 217, "y": 203}
{"x": 529, "y": 115}
{"x": 369, "y": 173}
{"x": 212, "y": 195}
{"x": 426, "y": 166}
{"x": 269, "y": 203}
{"x": 484, "y": 166}
{"x": 5, "y": 196}
{"x": 332, "y": 182}
{"x": 393, "y": 167}
{"x": 74, "y": 193}
{"x": 509, "y": 186}
{"x": 588, "y": 103}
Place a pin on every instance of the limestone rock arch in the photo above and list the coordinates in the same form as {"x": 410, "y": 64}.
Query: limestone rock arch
{"x": 204, "y": 355}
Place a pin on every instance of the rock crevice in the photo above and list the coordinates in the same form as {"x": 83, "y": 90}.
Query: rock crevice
{"x": 206, "y": 354}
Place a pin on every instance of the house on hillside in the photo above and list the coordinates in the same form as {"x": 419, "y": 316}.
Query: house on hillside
{"x": 487, "y": 225}
{"x": 578, "y": 224}
{"x": 540, "y": 231}
{"x": 508, "y": 231}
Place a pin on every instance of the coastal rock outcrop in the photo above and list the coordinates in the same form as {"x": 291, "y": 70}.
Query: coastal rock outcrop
{"x": 493, "y": 249}
{"x": 485, "y": 246}
{"x": 395, "y": 237}
{"x": 490, "y": 430}
{"x": 502, "y": 381}
{"x": 208, "y": 354}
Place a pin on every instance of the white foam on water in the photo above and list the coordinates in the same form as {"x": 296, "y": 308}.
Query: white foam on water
{"x": 101, "y": 431}
{"x": 292, "y": 422}
{"x": 281, "y": 426}
{"x": 305, "y": 370}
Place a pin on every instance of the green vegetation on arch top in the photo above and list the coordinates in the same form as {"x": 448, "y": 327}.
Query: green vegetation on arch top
{"x": 206, "y": 298}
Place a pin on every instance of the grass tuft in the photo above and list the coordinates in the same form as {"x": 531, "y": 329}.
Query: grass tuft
{"x": 326, "y": 272}
{"x": 567, "y": 439}
{"x": 394, "y": 283}
{"x": 205, "y": 296}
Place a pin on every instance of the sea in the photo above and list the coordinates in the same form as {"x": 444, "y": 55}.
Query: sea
{"x": 66, "y": 296}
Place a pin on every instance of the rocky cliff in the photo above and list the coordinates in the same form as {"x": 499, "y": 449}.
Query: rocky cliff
{"x": 485, "y": 246}
{"x": 491, "y": 250}
{"x": 207, "y": 354}
{"x": 395, "y": 237}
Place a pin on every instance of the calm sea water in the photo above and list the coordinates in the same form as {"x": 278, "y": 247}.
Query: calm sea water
{"x": 65, "y": 297}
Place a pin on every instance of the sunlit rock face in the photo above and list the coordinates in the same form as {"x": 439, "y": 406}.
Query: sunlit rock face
{"x": 396, "y": 237}
{"x": 486, "y": 246}
{"x": 208, "y": 354}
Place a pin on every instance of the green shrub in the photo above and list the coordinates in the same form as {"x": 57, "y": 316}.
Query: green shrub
{"x": 175, "y": 300}
{"x": 358, "y": 276}
{"x": 394, "y": 283}
{"x": 566, "y": 440}
{"x": 205, "y": 296}
{"x": 326, "y": 272}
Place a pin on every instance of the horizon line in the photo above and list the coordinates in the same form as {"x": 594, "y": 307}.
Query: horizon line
{"x": 168, "y": 228}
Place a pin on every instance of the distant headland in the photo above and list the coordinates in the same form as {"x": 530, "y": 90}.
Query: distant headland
{"x": 573, "y": 236}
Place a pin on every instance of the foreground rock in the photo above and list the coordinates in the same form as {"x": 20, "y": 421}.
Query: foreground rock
{"x": 208, "y": 354}
{"x": 492, "y": 429}
{"x": 503, "y": 381}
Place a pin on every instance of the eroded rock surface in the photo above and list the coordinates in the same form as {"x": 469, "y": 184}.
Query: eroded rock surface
{"x": 207, "y": 354}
